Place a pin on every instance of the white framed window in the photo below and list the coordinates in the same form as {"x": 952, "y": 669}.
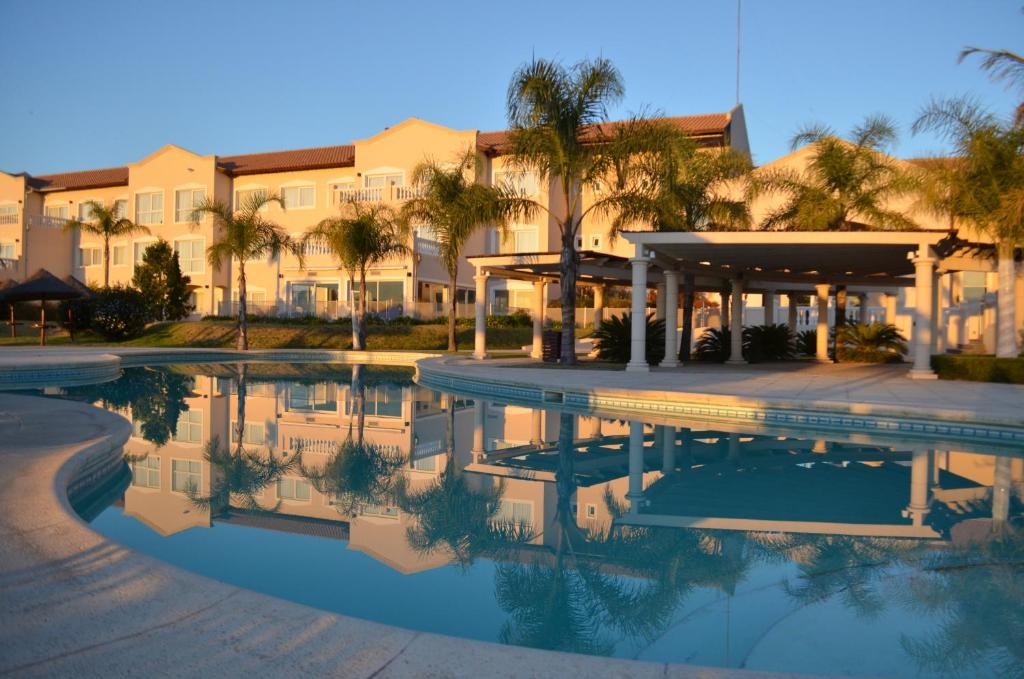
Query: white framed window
{"x": 298, "y": 197}
{"x": 119, "y": 255}
{"x": 242, "y": 196}
{"x": 90, "y": 256}
{"x": 373, "y": 181}
{"x": 186, "y": 475}
{"x": 524, "y": 239}
{"x": 190, "y": 427}
{"x": 85, "y": 210}
{"x": 191, "y": 253}
{"x": 139, "y": 250}
{"x": 58, "y": 211}
{"x": 254, "y": 433}
{"x": 6, "y": 211}
{"x": 523, "y": 183}
{"x": 146, "y": 472}
{"x": 185, "y": 203}
{"x": 149, "y": 208}
{"x": 121, "y": 208}
{"x": 297, "y": 490}
{"x": 7, "y": 251}
{"x": 514, "y": 511}
{"x": 317, "y": 397}
{"x": 591, "y": 510}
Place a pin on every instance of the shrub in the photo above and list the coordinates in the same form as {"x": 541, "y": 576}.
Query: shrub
{"x": 714, "y": 345}
{"x": 807, "y": 342}
{"x": 612, "y": 340}
{"x": 767, "y": 343}
{"x": 979, "y": 368}
{"x": 75, "y": 315}
{"x": 872, "y": 343}
{"x": 119, "y": 313}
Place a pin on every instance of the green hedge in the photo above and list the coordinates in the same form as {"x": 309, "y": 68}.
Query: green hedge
{"x": 979, "y": 368}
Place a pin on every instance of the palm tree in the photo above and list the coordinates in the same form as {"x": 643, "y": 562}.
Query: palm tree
{"x": 560, "y": 131}
{"x": 244, "y": 235}
{"x": 365, "y": 234}
{"x": 848, "y": 183}
{"x": 107, "y": 223}
{"x": 455, "y": 207}
{"x": 982, "y": 187}
{"x": 1002, "y": 65}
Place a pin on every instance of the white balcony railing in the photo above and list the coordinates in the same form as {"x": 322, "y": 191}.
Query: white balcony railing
{"x": 407, "y": 192}
{"x": 426, "y": 246}
{"x": 8, "y": 263}
{"x": 46, "y": 222}
{"x": 10, "y": 218}
{"x": 366, "y": 195}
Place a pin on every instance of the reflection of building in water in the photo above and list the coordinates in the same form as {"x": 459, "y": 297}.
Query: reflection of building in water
{"x": 623, "y": 474}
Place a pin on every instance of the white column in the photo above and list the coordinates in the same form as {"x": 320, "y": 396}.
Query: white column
{"x": 536, "y": 426}
{"x": 479, "y": 418}
{"x": 1006, "y": 324}
{"x": 1001, "y": 491}
{"x": 889, "y": 302}
{"x": 659, "y": 301}
{"x": 480, "y": 336}
{"x": 862, "y": 309}
{"x": 822, "y": 347}
{"x": 791, "y": 312}
{"x": 918, "y": 508}
{"x": 598, "y": 306}
{"x": 638, "y": 333}
{"x": 668, "y": 449}
{"x": 671, "y": 359}
{"x": 538, "y": 320}
{"x": 924, "y": 268}
{"x": 736, "y": 321}
{"x": 635, "y": 493}
{"x": 768, "y": 300}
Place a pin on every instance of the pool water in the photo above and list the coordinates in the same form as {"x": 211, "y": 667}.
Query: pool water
{"x": 354, "y": 490}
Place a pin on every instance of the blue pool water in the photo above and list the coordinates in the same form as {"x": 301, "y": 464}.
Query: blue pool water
{"x": 354, "y": 490}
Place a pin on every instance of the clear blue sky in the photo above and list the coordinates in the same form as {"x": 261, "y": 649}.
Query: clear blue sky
{"x": 90, "y": 85}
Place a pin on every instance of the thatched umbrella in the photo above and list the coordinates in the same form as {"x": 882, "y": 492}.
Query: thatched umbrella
{"x": 42, "y": 286}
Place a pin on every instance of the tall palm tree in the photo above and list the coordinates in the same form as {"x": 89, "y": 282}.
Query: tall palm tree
{"x": 455, "y": 207}
{"x": 983, "y": 187}
{"x": 847, "y": 184}
{"x": 560, "y": 131}
{"x": 107, "y": 223}
{"x": 365, "y": 234}
{"x": 1005, "y": 66}
{"x": 244, "y": 235}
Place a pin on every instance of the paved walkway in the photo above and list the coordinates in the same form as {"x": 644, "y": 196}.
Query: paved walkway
{"x": 75, "y": 604}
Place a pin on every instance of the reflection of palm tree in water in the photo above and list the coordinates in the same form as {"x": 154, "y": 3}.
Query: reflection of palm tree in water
{"x": 238, "y": 475}
{"x": 358, "y": 473}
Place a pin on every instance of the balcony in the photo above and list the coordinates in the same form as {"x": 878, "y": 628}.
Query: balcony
{"x": 426, "y": 246}
{"x": 10, "y": 218}
{"x": 377, "y": 194}
{"x": 46, "y": 222}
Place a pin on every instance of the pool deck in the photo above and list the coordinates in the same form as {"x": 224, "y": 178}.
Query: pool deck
{"x": 77, "y": 604}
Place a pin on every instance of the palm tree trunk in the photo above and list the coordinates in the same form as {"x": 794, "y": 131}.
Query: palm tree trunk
{"x": 359, "y": 402}
{"x": 1006, "y": 321}
{"x": 243, "y": 321}
{"x": 452, "y": 340}
{"x": 106, "y": 261}
{"x": 355, "y": 313}
{"x": 567, "y": 285}
{"x": 362, "y": 310}
{"x": 686, "y": 341}
{"x": 240, "y": 411}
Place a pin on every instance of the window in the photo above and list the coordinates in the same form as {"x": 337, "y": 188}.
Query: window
{"x": 121, "y": 208}
{"x": 973, "y": 285}
{"x": 524, "y": 183}
{"x": 7, "y": 251}
{"x": 341, "y": 191}
{"x": 58, "y": 211}
{"x": 190, "y": 254}
{"x": 244, "y": 196}
{"x": 298, "y": 196}
{"x": 591, "y": 510}
{"x": 380, "y": 295}
{"x": 149, "y": 208}
{"x": 515, "y": 512}
{"x": 146, "y": 472}
{"x": 90, "y": 256}
{"x": 314, "y": 298}
{"x": 293, "y": 489}
{"x": 322, "y": 396}
{"x": 425, "y": 464}
{"x": 119, "y": 255}
{"x": 140, "y": 250}
{"x": 8, "y": 214}
{"x": 524, "y": 240}
{"x": 186, "y": 475}
{"x": 190, "y": 427}
{"x": 185, "y": 203}
{"x": 85, "y": 211}
{"x": 254, "y": 433}
{"x": 379, "y": 180}
{"x": 384, "y": 400}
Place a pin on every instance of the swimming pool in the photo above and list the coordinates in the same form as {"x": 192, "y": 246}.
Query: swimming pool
{"x": 354, "y": 490}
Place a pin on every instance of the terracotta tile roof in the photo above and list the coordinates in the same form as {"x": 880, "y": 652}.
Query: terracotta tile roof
{"x": 286, "y": 161}
{"x": 496, "y": 143}
{"x": 86, "y": 179}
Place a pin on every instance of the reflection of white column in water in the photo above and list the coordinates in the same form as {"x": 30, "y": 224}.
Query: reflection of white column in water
{"x": 1001, "y": 493}
{"x": 479, "y": 416}
{"x": 536, "y": 417}
{"x": 734, "y": 447}
{"x": 668, "y": 449}
{"x": 918, "y": 508}
{"x": 635, "y": 494}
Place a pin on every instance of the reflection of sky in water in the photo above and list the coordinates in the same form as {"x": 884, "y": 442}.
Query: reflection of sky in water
{"x": 905, "y": 595}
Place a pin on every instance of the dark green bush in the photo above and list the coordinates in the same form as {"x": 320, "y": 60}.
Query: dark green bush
{"x": 75, "y": 315}
{"x": 767, "y": 343}
{"x": 807, "y": 342}
{"x": 612, "y": 340}
{"x": 979, "y": 368}
{"x": 119, "y": 313}
{"x": 872, "y": 343}
{"x": 714, "y": 345}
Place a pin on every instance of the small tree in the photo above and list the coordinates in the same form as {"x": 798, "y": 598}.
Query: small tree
{"x": 161, "y": 282}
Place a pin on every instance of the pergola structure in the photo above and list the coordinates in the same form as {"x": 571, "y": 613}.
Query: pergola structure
{"x": 736, "y": 262}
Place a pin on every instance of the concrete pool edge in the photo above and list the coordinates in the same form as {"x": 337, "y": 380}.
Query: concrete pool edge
{"x": 77, "y": 603}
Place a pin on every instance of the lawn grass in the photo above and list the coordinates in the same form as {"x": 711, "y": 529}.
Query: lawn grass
{"x": 222, "y": 334}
